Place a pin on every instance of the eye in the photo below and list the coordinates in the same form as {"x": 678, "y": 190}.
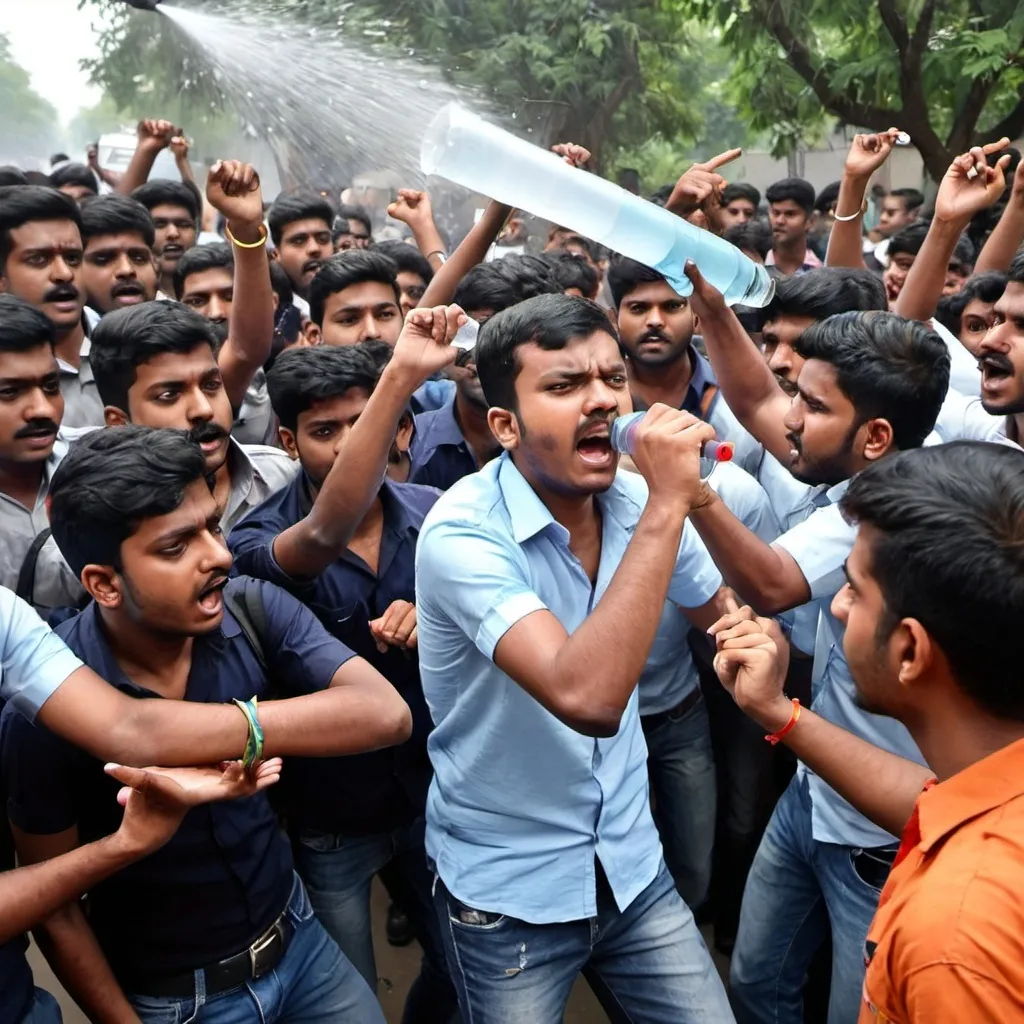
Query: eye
{"x": 174, "y": 550}
{"x": 617, "y": 380}
{"x": 73, "y": 259}
{"x": 8, "y": 394}
{"x": 213, "y": 385}
{"x": 51, "y": 387}
{"x": 167, "y": 397}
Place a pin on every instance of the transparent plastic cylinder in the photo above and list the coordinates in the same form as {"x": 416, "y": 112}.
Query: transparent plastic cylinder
{"x": 467, "y": 150}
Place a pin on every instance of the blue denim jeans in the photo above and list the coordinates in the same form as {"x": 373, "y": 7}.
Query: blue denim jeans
{"x": 647, "y": 964}
{"x": 312, "y": 984}
{"x": 797, "y": 889}
{"x": 338, "y": 871}
{"x": 43, "y": 1010}
{"x": 682, "y": 770}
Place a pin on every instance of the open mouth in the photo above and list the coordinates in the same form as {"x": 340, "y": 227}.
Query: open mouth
{"x": 172, "y": 252}
{"x": 211, "y": 598}
{"x": 995, "y": 368}
{"x": 595, "y": 447}
{"x": 128, "y": 294}
{"x": 311, "y": 266}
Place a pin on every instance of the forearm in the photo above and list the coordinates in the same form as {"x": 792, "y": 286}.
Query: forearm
{"x": 430, "y": 244}
{"x": 138, "y": 170}
{"x": 308, "y": 547}
{"x": 882, "y": 786}
{"x": 111, "y": 178}
{"x": 29, "y": 895}
{"x": 754, "y": 569}
{"x": 1005, "y": 240}
{"x": 185, "y": 169}
{"x": 76, "y": 959}
{"x": 470, "y": 252}
{"x": 846, "y": 240}
{"x": 251, "y": 328}
{"x": 925, "y": 280}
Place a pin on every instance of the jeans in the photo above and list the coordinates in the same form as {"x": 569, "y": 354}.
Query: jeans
{"x": 682, "y": 771}
{"x": 648, "y": 964}
{"x": 797, "y": 889}
{"x": 338, "y": 871}
{"x": 44, "y": 1010}
{"x": 311, "y": 984}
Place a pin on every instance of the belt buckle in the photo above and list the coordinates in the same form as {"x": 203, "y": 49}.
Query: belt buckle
{"x": 261, "y": 945}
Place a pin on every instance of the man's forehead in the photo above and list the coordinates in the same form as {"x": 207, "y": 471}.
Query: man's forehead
{"x": 818, "y": 379}
{"x": 37, "y": 233}
{"x": 597, "y": 350}
{"x": 365, "y": 293}
{"x": 652, "y": 291}
{"x": 120, "y": 240}
{"x": 197, "y": 508}
{"x": 337, "y": 407}
{"x": 790, "y": 325}
{"x": 306, "y": 226}
{"x": 208, "y": 279}
{"x": 33, "y": 362}
{"x": 1012, "y": 299}
{"x": 167, "y": 211}
{"x": 177, "y": 365}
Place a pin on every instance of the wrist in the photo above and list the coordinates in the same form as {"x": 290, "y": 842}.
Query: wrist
{"x": 247, "y": 231}
{"x": 666, "y": 512}
{"x": 152, "y": 145}
{"x": 400, "y": 377}
{"x": 772, "y": 715}
{"x": 123, "y": 849}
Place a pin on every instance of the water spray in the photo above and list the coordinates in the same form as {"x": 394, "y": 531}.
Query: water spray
{"x": 142, "y": 5}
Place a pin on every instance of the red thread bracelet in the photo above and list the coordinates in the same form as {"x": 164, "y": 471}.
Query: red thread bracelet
{"x": 775, "y": 737}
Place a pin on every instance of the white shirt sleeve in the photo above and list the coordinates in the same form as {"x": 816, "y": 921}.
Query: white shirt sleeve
{"x": 819, "y": 546}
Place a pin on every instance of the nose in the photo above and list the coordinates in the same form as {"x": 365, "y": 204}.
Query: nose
{"x": 124, "y": 267}
{"x": 781, "y": 359}
{"x": 215, "y": 553}
{"x": 371, "y": 329}
{"x": 342, "y": 437}
{"x": 841, "y": 604}
{"x": 217, "y": 309}
{"x": 793, "y": 421}
{"x": 199, "y": 408}
{"x": 173, "y": 234}
{"x": 39, "y": 406}
{"x": 61, "y": 270}
{"x": 996, "y": 338}
{"x": 599, "y": 397}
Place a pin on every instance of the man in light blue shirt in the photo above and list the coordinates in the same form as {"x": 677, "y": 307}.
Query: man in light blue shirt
{"x": 540, "y": 583}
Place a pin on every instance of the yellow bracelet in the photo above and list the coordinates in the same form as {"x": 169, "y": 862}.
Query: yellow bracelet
{"x": 247, "y": 245}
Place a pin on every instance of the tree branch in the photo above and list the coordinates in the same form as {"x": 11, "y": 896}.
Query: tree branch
{"x": 895, "y": 25}
{"x": 1011, "y": 126}
{"x": 959, "y": 138}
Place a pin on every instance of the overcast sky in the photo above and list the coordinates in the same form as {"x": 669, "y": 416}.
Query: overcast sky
{"x": 48, "y": 38}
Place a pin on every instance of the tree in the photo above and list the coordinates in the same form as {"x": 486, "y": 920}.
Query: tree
{"x": 948, "y": 72}
{"x": 31, "y": 127}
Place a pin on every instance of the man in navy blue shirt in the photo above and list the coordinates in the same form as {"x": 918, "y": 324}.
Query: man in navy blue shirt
{"x": 355, "y": 816}
{"x": 217, "y": 918}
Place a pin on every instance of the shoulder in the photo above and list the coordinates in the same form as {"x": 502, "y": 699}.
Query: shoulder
{"x": 273, "y": 513}
{"x": 475, "y": 500}
{"x": 275, "y": 466}
{"x": 418, "y": 497}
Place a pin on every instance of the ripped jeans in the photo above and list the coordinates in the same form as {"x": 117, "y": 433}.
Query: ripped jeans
{"x": 647, "y": 964}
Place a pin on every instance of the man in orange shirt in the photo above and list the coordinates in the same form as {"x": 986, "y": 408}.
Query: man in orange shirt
{"x": 935, "y": 592}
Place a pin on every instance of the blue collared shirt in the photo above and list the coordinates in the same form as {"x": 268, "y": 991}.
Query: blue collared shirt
{"x": 383, "y": 790}
{"x": 521, "y": 804}
{"x": 439, "y": 454}
{"x": 432, "y": 394}
{"x": 227, "y": 873}
{"x": 820, "y": 545}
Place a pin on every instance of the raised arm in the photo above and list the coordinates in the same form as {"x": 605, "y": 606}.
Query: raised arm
{"x": 413, "y": 208}
{"x": 153, "y": 136}
{"x": 748, "y": 385}
{"x": 700, "y": 188}
{"x": 310, "y": 545}
{"x": 846, "y": 241}
{"x": 751, "y": 663}
{"x": 180, "y": 147}
{"x": 233, "y": 189}
{"x": 969, "y": 186}
{"x": 1007, "y": 236}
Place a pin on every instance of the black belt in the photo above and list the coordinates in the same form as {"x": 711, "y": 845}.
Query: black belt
{"x": 262, "y": 956}
{"x": 651, "y": 722}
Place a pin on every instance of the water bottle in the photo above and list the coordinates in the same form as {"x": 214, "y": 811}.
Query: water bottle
{"x": 466, "y": 149}
{"x": 623, "y": 436}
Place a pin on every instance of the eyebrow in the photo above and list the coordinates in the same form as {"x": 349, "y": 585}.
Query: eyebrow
{"x": 391, "y": 304}
{"x": 49, "y": 375}
{"x": 846, "y": 573}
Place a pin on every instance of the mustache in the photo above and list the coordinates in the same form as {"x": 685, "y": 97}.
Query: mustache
{"x": 37, "y": 428}
{"x": 127, "y": 288}
{"x": 61, "y": 293}
{"x": 654, "y": 335}
{"x": 216, "y": 582}
{"x": 997, "y": 361}
{"x": 594, "y": 421}
{"x": 206, "y": 432}
{"x": 794, "y": 440}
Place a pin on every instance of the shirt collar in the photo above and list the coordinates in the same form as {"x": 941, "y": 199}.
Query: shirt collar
{"x": 440, "y": 427}
{"x": 981, "y": 787}
{"x": 398, "y": 515}
{"x": 811, "y": 260}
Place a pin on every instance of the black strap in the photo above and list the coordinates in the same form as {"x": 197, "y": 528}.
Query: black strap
{"x": 244, "y": 600}
{"x": 26, "y": 585}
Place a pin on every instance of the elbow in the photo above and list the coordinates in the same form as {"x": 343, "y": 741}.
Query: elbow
{"x": 588, "y": 719}
{"x": 395, "y": 723}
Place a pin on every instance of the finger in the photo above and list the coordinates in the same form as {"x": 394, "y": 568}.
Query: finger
{"x": 723, "y": 158}
{"x": 414, "y": 639}
{"x": 394, "y": 615}
{"x": 993, "y": 147}
{"x": 730, "y": 602}
{"x": 737, "y": 625}
{"x": 405, "y": 626}
{"x": 134, "y": 778}
{"x": 754, "y": 639}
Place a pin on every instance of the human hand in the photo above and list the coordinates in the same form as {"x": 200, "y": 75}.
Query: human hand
{"x": 971, "y": 185}
{"x": 155, "y": 800}
{"x": 573, "y": 155}
{"x": 751, "y": 663}
{"x": 92, "y": 156}
{"x": 666, "y": 451}
{"x": 396, "y": 627}
{"x": 412, "y": 208}
{"x": 233, "y": 189}
{"x": 706, "y": 301}
{"x": 1017, "y": 188}
{"x": 699, "y": 184}
{"x": 424, "y": 346}
{"x": 155, "y": 133}
{"x": 869, "y": 152}
{"x": 180, "y": 147}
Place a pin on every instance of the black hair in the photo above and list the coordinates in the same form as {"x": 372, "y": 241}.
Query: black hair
{"x": 75, "y": 174}
{"x": 129, "y": 337}
{"x": 282, "y": 286}
{"x": 22, "y": 326}
{"x": 379, "y": 352}
{"x": 110, "y": 481}
{"x": 165, "y": 192}
{"x": 200, "y": 258}
{"x": 1016, "y": 271}
{"x": 912, "y": 198}
{"x": 947, "y": 549}
{"x": 407, "y": 258}
{"x": 114, "y": 214}
{"x": 887, "y": 366}
{"x": 740, "y": 190}
{"x": 23, "y": 204}
{"x": 987, "y": 287}
{"x": 349, "y": 211}
{"x": 59, "y": 158}
{"x": 660, "y": 196}
{"x": 344, "y": 269}
{"x": 297, "y": 206}
{"x": 572, "y": 272}
{"x": 755, "y": 235}
{"x": 826, "y": 199}
{"x": 799, "y": 191}
{"x": 582, "y": 242}
{"x": 302, "y": 376}
{"x": 550, "y": 321}
{"x": 11, "y": 175}
{"x": 504, "y": 282}
{"x": 626, "y": 275}
{"x": 826, "y": 291}
{"x": 910, "y": 238}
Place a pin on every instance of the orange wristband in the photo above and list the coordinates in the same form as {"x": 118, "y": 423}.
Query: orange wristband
{"x": 775, "y": 737}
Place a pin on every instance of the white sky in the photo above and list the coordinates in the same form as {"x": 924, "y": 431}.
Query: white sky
{"x": 48, "y": 38}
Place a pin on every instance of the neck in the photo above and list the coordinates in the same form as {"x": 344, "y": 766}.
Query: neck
{"x": 472, "y": 421}
{"x": 166, "y": 283}
{"x": 222, "y": 486}
{"x": 150, "y": 658}
{"x": 666, "y": 383}
{"x": 791, "y": 253}
{"x": 21, "y": 481}
{"x": 1015, "y": 427}
{"x": 371, "y": 522}
{"x": 69, "y": 345}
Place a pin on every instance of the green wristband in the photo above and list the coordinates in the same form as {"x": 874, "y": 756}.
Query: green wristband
{"x": 254, "y": 744}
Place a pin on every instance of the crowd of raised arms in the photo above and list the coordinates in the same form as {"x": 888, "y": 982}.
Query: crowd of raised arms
{"x": 296, "y": 594}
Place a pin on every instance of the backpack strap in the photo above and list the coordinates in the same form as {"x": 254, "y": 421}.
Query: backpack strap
{"x": 26, "y": 584}
{"x": 244, "y": 599}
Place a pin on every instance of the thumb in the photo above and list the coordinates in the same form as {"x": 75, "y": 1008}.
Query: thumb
{"x": 134, "y": 778}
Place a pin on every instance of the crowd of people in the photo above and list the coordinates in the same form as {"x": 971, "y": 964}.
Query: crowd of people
{"x": 296, "y": 593}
